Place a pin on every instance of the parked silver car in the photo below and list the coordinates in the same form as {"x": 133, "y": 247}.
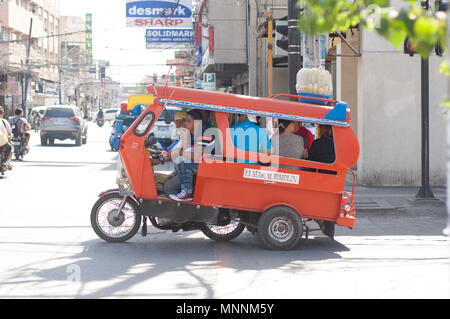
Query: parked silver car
{"x": 110, "y": 114}
{"x": 63, "y": 122}
{"x": 163, "y": 131}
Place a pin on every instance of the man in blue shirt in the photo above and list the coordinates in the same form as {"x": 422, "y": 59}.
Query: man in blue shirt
{"x": 248, "y": 136}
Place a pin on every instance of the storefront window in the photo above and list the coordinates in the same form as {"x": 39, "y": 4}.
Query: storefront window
{"x": 5, "y": 34}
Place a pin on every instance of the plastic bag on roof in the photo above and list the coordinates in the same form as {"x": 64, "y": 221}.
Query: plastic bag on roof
{"x": 314, "y": 80}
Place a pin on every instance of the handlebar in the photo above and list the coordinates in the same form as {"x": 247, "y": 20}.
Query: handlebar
{"x": 156, "y": 155}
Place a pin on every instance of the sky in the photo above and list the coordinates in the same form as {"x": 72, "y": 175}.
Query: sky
{"x": 123, "y": 46}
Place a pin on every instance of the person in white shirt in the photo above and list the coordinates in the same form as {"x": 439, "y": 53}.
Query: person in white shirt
{"x": 7, "y": 148}
{"x": 20, "y": 126}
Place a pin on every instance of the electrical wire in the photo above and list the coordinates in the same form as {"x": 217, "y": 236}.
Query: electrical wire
{"x": 62, "y": 67}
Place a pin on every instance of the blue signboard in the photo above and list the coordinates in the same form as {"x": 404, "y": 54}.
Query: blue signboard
{"x": 168, "y": 38}
{"x": 159, "y": 13}
{"x": 169, "y": 35}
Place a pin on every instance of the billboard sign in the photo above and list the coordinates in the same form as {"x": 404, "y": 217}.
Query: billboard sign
{"x": 89, "y": 38}
{"x": 8, "y": 99}
{"x": 159, "y": 13}
{"x": 169, "y": 38}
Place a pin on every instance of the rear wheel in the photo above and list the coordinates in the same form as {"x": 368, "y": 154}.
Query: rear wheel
{"x": 113, "y": 227}
{"x": 78, "y": 140}
{"x": 280, "y": 228}
{"x": 223, "y": 233}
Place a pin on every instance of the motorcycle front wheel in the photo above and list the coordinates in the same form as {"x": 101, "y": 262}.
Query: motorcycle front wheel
{"x": 109, "y": 225}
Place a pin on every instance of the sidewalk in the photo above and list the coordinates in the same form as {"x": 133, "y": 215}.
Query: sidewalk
{"x": 385, "y": 199}
{"x": 394, "y": 211}
{"x": 391, "y": 199}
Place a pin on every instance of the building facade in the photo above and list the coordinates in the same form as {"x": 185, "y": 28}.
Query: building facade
{"x": 73, "y": 68}
{"x": 34, "y": 59}
{"x": 381, "y": 85}
{"x": 221, "y": 40}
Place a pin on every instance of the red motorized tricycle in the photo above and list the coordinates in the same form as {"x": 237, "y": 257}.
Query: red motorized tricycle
{"x": 271, "y": 195}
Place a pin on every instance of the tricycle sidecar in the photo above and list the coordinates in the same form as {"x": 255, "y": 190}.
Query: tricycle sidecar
{"x": 273, "y": 196}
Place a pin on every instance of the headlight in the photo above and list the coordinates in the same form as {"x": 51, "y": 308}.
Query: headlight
{"x": 123, "y": 180}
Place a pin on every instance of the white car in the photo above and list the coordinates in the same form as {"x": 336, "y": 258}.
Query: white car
{"x": 110, "y": 114}
{"x": 163, "y": 131}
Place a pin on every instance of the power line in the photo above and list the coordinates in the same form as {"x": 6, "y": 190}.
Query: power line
{"x": 162, "y": 14}
{"x": 57, "y": 35}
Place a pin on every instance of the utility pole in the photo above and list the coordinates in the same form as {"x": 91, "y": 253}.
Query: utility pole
{"x": 294, "y": 52}
{"x": 425, "y": 191}
{"x": 26, "y": 76}
{"x": 60, "y": 69}
{"x": 270, "y": 53}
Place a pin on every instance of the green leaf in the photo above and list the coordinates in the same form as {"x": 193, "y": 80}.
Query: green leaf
{"x": 445, "y": 68}
{"x": 425, "y": 27}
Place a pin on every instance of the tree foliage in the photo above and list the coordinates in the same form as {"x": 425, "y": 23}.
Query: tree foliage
{"x": 424, "y": 28}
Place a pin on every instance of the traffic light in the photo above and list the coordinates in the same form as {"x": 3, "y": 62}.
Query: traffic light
{"x": 441, "y": 6}
{"x": 408, "y": 47}
{"x": 281, "y": 38}
{"x": 102, "y": 72}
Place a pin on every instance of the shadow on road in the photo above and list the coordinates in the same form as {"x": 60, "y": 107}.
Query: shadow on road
{"x": 119, "y": 267}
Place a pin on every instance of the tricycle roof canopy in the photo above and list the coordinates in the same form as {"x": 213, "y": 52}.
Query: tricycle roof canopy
{"x": 337, "y": 115}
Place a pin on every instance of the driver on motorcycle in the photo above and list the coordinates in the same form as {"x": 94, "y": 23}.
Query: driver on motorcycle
{"x": 20, "y": 127}
{"x": 36, "y": 118}
{"x": 100, "y": 114}
{"x": 7, "y": 148}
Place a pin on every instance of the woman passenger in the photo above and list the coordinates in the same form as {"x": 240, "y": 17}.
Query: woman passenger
{"x": 322, "y": 149}
{"x": 289, "y": 144}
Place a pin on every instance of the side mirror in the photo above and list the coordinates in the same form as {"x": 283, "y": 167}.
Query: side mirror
{"x": 168, "y": 118}
{"x": 150, "y": 140}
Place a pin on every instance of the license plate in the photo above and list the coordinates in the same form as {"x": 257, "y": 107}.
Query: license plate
{"x": 163, "y": 128}
{"x": 58, "y": 122}
{"x": 16, "y": 143}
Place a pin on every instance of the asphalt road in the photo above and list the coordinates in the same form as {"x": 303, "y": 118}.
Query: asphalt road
{"x": 48, "y": 249}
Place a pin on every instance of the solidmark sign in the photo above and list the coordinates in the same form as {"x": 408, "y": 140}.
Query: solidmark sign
{"x": 159, "y": 13}
{"x": 169, "y": 38}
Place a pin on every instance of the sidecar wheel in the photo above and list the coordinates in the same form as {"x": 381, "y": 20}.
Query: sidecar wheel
{"x": 111, "y": 228}
{"x": 280, "y": 228}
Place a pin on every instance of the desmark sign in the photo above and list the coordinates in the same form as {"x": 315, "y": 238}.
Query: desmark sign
{"x": 270, "y": 176}
{"x": 159, "y": 13}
